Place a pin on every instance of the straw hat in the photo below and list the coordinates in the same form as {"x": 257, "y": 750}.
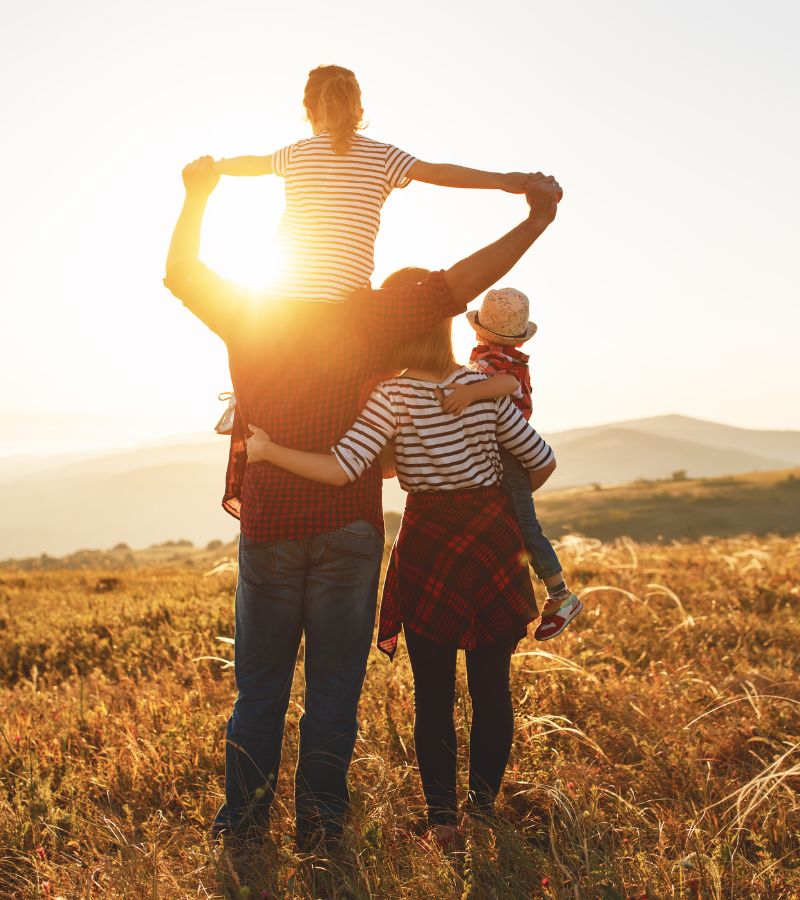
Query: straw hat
{"x": 503, "y": 318}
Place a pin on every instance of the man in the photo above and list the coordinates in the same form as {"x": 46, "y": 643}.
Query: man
{"x": 310, "y": 554}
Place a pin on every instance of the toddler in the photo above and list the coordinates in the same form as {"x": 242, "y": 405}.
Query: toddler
{"x": 502, "y": 326}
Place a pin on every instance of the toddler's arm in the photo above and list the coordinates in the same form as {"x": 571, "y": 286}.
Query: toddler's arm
{"x": 463, "y": 395}
{"x": 447, "y": 175}
{"x": 244, "y": 165}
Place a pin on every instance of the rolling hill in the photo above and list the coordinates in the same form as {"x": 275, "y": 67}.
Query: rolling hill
{"x": 760, "y": 504}
{"x": 168, "y": 491}
{"x": 784, "y": 445}
{"x": 616, "y": 454}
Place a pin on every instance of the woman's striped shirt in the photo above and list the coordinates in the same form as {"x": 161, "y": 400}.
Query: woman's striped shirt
{"x": 435, "y": 450}
{"x": 333, "y": 212}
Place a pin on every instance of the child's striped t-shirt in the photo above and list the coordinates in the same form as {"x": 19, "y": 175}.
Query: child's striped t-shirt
{"x": 435, "y": 450}
{"x": 333, "y": 212}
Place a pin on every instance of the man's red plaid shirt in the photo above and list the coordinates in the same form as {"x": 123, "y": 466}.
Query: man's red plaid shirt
{"x": 302, "y": 372}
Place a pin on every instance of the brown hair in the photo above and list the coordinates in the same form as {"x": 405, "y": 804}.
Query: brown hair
{"x": 432, "y": 350}
{"x": 332, "y": 98}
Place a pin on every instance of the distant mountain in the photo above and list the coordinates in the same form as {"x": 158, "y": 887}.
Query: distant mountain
{"x": 172, "y": 490}
{"x": 783, "y": 445}
{"x": 655, "y": 448}
{"x": 204, "y": 449}
{"x": 140, "y": 507}
{"x": 617, "y": 455}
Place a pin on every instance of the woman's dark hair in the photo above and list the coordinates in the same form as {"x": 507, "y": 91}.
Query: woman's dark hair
{"x": 332, "y": 99}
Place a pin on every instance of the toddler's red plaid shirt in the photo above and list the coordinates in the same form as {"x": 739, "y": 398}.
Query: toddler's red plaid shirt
{"x": 302, "y": 372}
{"x": 500, "y": 359}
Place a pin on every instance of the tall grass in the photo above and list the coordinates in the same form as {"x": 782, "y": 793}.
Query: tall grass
{"x": 657, "y": 748}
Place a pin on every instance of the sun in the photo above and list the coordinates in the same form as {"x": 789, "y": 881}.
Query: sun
{"x": 239, "y": 231}
{"x": 257, "y": 271}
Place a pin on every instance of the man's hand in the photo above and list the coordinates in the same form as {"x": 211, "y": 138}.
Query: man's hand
{"x": 521, "y": 182}
{"x": 543, "y": 194}
{"x": 258, "y": 445}
{"x": 201, "y": 176}
{"x": 537, "y": 179}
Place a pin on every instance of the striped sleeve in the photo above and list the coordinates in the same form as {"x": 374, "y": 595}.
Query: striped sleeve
{"x": 398, "y": 162}
{"x": 281, "y": 159}
{"x": 376, "y": 425}
{"x": 520, "y": 439}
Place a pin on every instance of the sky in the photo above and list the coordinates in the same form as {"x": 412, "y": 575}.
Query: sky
{"x": 664, "y": 285}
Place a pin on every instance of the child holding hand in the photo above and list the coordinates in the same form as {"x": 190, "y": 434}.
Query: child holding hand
{"x": 336, "y": 184}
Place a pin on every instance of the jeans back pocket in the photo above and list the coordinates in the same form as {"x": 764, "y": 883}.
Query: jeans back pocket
{"x": 351, "y": 552}
{"x": 257, "y": 562}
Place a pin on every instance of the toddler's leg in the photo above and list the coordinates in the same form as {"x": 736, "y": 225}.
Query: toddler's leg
{"x": 562, "y": 605}
{"x": 517, "y": 486}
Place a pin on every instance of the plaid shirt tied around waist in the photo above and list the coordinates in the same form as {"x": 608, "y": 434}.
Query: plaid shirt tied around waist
{"x": 458, "y": 573}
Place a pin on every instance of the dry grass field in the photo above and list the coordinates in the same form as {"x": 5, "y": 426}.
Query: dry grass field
{"x": 657, "y": 749}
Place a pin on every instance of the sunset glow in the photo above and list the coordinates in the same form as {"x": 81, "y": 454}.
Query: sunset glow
{"x": 651, "y": 260}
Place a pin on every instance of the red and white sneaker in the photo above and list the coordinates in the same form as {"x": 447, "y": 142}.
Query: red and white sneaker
{"x": 555, "y": 622}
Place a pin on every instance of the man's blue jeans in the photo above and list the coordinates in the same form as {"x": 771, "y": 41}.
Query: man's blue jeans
{"x": 517, "y": 486}
{"x": 325, "y": 587}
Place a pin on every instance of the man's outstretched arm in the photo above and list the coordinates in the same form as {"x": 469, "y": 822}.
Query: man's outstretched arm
{"x": 477, "y": 273}
{"x": 212, "y": 299}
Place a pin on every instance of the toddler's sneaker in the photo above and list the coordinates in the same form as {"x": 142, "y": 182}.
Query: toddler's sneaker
{"x": 555, "y": 622}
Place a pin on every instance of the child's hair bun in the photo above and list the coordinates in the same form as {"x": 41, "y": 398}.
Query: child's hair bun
{"x": 332, "y": 99}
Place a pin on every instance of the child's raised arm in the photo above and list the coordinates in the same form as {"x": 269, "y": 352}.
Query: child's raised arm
{"x": 244, "y": 165}
{"x": 447, "y": 175}
{"x": 462, "y": 395}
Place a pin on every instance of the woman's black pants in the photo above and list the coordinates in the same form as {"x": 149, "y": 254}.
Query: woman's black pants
{"x": 434, "y": 668}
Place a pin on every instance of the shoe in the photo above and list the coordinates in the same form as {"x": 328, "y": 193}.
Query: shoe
{"x": 555, "y": 622}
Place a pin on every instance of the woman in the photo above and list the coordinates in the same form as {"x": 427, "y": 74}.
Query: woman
{"x": 458, "y": 575}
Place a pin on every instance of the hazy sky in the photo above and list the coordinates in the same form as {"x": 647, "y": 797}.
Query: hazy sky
{"x": 664, "y": 286}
